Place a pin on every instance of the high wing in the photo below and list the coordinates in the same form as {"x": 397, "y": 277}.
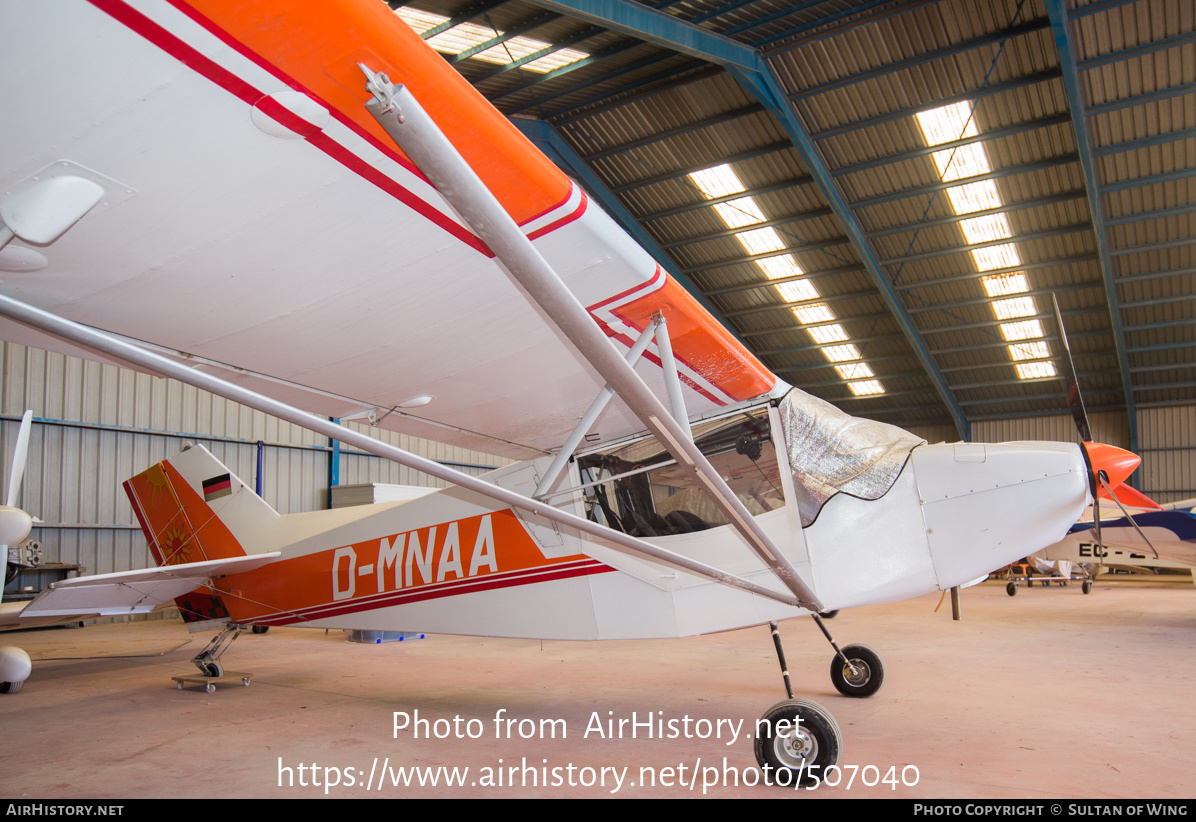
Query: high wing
{"x": 257, "y": 221}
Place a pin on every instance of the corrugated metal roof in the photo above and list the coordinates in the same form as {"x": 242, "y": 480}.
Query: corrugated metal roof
{"x": 643, "y": 115}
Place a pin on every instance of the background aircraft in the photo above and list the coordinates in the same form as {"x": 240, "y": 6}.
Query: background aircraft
{"x": 231, "y": 193}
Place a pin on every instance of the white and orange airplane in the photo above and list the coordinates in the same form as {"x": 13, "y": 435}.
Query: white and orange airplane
{"x": 302, "y": 206}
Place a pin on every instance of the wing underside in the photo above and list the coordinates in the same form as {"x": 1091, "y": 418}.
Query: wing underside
{"x": 257, "y": 222}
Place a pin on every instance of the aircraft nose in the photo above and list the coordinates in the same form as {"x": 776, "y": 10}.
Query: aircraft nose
{"x": 1116, "y": 463}
{"x": 986, "y": 505}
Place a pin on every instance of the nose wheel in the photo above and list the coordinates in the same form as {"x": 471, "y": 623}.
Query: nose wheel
{"x": 861, "y": 674}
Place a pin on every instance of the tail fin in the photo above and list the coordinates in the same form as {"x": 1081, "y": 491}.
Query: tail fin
{"x": 192, "y": 508}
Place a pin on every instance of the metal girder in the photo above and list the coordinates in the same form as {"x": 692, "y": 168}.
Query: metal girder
{"x": 1061, "y": 30}
{"x": 1142, "y": 99}
{"x": 1022, "y": 205}
{"x": 909, "y": 111}
{"x": 996, "y": 133}
{"x": 1008, "y": 171}
{"x": 754, "y": 73}
{"x": 909, "y": 62}
{"x": 731, "y": 232}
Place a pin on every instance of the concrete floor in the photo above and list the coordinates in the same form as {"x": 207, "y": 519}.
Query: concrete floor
{"x": 1049, "y": 694}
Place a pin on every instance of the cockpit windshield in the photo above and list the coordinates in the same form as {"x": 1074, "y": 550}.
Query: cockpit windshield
{"x": 830, "y": 451}
{"x": 644, "y": 492}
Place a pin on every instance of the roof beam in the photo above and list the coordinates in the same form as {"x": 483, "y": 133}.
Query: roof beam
{"x": 1061, "y": 30}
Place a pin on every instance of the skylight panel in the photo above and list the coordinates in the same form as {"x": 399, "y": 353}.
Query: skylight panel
{"x": 986, "y": 229}
{"x": 420, "y": 21}
{"x": 461, "y": 37}
{"x": 1030, "y": 351}
{"x": 947, "y": 123}
{"x": 854, "y": 371}
{"x": 718, "y": 181}
{"x": 1032, "y": 370}
{"x": 823, "y": 334}
{"x": 760, "y": 241}
{"x": 962, "y": 161}
{"x": 864, "y": 387}
{"x": 1000, "y": 285}
{"x": 970, "y": 197}
{"x": 813, "y": 314}
{"x": 1015, "y": 307}
{"x": 741, "y": 212}
{"x": 1025, "y": 330}
{"x": 776, "y": 267}
{"x": 841, "y": 353}
{"x": 556, "y": 60}
{"x": 467, "y": 35}
{"x": 797, "y": 290}
{"x": 997, "y": 256}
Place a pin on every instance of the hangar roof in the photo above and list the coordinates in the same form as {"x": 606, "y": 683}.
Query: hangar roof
{"x": 880, "y": 196}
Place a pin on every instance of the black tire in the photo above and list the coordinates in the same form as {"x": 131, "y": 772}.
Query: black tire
{"x": 260, "y": 629}
{"x": 829, "y": 614}
{"x": 10, "y": 687}
{"x": 1086, "y": 586}
{"x": 870, "y": 671}
{"x": 1011, "y": 588}
{"x": 799, "y": 737}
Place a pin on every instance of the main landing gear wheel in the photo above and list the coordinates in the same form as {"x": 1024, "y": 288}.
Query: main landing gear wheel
{"x": 1086, "y": 586}
{"x": 800, "y": 738}
{"x": 1011, "y": 588}
{"x": 866, "y": 679}
{"x": 10, "y": 687}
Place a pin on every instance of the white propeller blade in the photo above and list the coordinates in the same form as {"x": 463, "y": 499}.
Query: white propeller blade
{"x": 18, "y": 460}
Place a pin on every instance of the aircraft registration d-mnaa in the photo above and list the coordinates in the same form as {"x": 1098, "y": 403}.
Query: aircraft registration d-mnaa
{"x": 302, "y": 206}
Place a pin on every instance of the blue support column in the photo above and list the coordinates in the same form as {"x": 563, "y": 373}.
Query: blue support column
{"x": 1061, "y": 30}
{"x": 334, "y": 463}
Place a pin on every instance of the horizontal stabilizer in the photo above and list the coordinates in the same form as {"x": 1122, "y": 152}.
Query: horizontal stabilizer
{"x": 135, "y": 592}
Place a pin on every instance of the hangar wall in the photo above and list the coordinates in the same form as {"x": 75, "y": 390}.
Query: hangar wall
{"x": 105, "y": 424}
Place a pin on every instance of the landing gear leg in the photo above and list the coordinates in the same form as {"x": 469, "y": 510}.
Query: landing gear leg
{"x": 776, "y": 641}
{"x": 856, "y": 670}
{"x": 208, "y": 660}
{"x": 796, "y": 737}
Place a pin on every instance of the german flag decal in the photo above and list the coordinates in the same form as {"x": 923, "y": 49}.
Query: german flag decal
{"x": 217, "y": 487}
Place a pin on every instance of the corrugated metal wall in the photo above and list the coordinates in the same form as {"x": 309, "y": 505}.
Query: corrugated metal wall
{"x": 101, "y": 424}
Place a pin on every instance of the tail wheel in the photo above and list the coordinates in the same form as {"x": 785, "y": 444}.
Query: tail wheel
{"x": 801, "y": 739}
{"x": 868, "y": 674}
{"x": 213, "y": 669}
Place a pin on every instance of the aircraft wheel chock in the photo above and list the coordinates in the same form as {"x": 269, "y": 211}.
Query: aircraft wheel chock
{"x": 869, "y": 671}
{"x": 800, "y": 738}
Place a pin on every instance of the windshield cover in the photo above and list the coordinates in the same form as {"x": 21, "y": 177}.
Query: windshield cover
{"x": 830, "y": 451}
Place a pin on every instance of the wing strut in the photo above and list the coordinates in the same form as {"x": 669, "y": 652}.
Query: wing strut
{"x": 398, "y": 112}
{"x": 112, "y": 346}
{"x": 589, "y": 418}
